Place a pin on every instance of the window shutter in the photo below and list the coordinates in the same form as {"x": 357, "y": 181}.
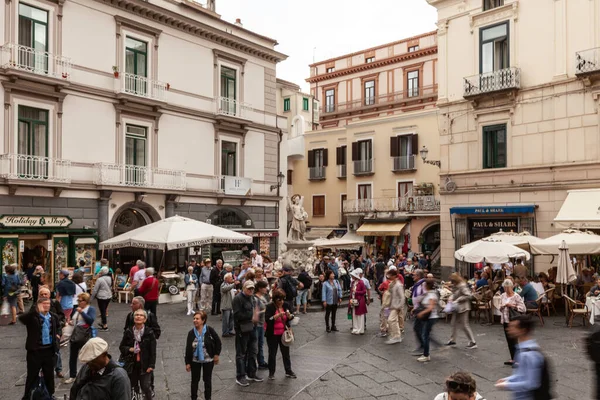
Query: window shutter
{"x": 289, "y": 176}
{"x": 311, "y": 159}
{"x": 415, "y": 145}
{"x": 325, "y": 157}
{"x": 343, "y": 155}
{"x": 338, "y": 156}
{"x": 354, "y": 151}
{"x": 394, "y": 146}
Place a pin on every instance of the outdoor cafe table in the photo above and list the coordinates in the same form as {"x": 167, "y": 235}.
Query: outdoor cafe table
{"x": 593, "y": 305}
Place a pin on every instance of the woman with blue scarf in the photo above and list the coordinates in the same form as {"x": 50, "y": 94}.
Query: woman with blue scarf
{"x": 202, "y": 352}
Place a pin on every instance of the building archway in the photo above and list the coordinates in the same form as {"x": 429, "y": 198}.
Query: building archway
{"x": 298, "y": 124}
{"x": 430, "y": 237}
{"x": 231, "y": 218}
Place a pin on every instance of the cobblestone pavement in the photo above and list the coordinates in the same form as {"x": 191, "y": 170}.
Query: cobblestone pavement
{"x": 332, "y": 365}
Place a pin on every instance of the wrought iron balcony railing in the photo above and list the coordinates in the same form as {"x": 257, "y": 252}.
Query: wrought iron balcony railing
{"x": 35, "y": 168}
{"x": 341, "y": 171}
{"x": 24, "y": 58}
{"x": 139, "y": 176}
{"x": 316, "y": 173}
{"x": 232, "y": 107}
{"x": 143, "y": 87}
{"x": 403, "y": 163}
{"x": 362, "y": 167}
{"x": 496, "y": 81}
{"x": 587, "y": 61}
{"x": 407, "y": 204}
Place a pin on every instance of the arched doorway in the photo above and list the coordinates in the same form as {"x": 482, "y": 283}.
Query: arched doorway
{"x": 234, "y": 219}
{"x": 128, "y": 217}
{"x": 430, "y": 238}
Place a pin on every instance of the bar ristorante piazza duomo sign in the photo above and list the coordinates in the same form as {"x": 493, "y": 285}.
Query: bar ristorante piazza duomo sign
{"x": 35, "y": 221}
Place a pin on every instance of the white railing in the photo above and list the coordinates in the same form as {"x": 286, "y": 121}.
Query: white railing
{"x": 233, "y": 185}
{"x": 503, "y": 79}
{"x": 363, "y": 166}
{"x": 403, "y": 163}
{"x": 143, "y": 87}
{"x": 139, "y": 176}
{"x": 406, "y": 204}
{"x": 316, "y": 173}
{"x": 34, "y": 168}
{"x": 232, "y": 107}
{"x": 587, "y": 61}
{"x": 27, "y": 59}
{"x": 341, "y": 171}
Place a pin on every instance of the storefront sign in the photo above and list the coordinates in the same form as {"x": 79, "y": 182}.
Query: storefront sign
{"x": 236, "y": 186}
{"x": 484, "y": 210}
{"x": 261, "y": 234}
{"x": 28, "y": 221}
{"x": 504, "y": 224}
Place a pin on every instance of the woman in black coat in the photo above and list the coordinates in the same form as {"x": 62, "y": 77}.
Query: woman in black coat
{"x": 202, "y": 351}
{"x": 277, "y": 318}
{"x": 138, "y": 349}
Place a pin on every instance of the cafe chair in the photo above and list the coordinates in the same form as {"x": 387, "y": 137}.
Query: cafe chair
{"x": 548, "y": 302}
{"x": 576, "y": 308}
{"x": 539, "y": 309}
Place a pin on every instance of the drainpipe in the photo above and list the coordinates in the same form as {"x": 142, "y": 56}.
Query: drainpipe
{"x": 278, "y": 187}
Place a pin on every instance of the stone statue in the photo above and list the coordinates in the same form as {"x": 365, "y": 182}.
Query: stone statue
{"x": 299, "y": 216}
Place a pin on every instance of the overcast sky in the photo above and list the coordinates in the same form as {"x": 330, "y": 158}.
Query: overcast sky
{"x": 328, "y": 28}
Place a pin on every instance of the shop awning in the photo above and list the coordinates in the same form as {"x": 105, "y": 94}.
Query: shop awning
{"x": 87, "y": 240}
{"x": 580, "y": 210}
{"x": 318, "y": 233}
{"x": 486, "y": 210}
{"x": 381, "y": 228}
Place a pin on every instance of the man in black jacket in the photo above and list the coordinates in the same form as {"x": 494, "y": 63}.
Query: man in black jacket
{"x": 43, "y": 335}
{"x": 246, "y": 344}
{"x": 137, "y": 303}
{"x": 215, "y": 280}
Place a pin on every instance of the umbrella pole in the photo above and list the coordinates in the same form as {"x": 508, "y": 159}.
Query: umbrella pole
{"x": 162, "y": 262}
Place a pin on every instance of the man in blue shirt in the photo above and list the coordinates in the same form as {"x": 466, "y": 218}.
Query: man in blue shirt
{"x": 528, "y": 292}
{"x": 529, "y": 360}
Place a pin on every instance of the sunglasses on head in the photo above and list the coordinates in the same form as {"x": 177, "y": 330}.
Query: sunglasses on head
{"x": 459, "y": 387}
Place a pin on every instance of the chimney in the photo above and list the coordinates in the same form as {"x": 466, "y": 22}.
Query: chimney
{"x": 238, "y": 22}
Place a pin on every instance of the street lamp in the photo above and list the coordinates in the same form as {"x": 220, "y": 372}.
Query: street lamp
{"x": 280, "y": 177}
{"x": 424, "y": 151}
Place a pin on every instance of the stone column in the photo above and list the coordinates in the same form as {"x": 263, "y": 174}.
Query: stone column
{"x": 170, "y": 256}
{"x": 103, "y": 228}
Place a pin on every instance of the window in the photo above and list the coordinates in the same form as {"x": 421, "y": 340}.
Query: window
{"x": 228, "y": 90}
{"x": 289, "y": 176}
{"x": 489, "y": 4}
{"x": 405, "y": 189}
{"x": 494, "y": 48}
{"x": 330, "y": 100}
{"x": 494, "y": 146}
{"x": 286, "y": 105}
{"x": 369, "y": 93}
{"x": 228, "y": 158}
{"x": 362, "y": 156}
{"x": 330, "y": 70}
{"x": 136, "y": 66}
{"x": 32, "y": 141}
{"x": 317, "y": 161}
{"x": 305, "y": 103}
{"x": 364, "y": 191}
{"x": 403, "y": 150}
{"x": 135, "y": 154}
{"x": 33, "y": 33}
{"x": 369, "y": 60}
{"x": 340, "y": 155}
{"x": 413, "y": 83}
{"x": 318, "y": 206}
{"x": 412, "y": 49}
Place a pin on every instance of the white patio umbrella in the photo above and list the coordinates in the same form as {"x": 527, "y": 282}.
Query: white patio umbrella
{"x": 565, "y": 273}
{"x": 578, "y": 242}
{"x": 524, "y": 238}
{"x": 339, "y": 243}
{"x": 175, "y": 233}
{"x": 490, "y": 250}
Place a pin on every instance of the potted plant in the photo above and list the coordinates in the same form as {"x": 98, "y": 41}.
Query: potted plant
{"x": 115, "y": 71}
{"x": 65, "y": 75}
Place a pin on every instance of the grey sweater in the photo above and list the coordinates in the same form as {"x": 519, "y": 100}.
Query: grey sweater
{"x": 102, "y": 289}
{"x": 226, "y": 297}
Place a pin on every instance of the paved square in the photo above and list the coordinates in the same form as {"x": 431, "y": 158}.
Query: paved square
{"x": 333, "y": 365}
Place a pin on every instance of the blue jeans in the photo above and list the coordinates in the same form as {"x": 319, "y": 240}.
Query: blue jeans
{"x": 227, "y": 324}
{"x": 425, "y": 334}
{"x": 302, "y": 297}
{"x": 245, "y": 354}
{"x": 58, "y": 367}
{"x": 259, "y": 331}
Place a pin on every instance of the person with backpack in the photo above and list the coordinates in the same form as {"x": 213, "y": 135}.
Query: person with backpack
{"x": 531, "y": 379}
{"x": 289, "y": 285}
{"x": 11, "y": 286}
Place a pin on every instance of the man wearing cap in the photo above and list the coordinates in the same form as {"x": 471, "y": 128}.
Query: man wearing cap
{"x": 65, "y": 290}
{"x": 245, "y": 317}
{"x": 43, "y": 335}
{"x": 100, "y": 378}
{"x": 289, "y": 285}
{"x": 206, "y": 288}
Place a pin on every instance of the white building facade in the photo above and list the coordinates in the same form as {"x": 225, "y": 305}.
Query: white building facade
{"x": 118, "y": 114}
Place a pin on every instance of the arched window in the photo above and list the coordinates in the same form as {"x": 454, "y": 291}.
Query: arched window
{"x": 297, "y": 126}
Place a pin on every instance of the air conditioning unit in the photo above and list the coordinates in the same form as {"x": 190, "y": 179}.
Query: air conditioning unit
{"x": 209, "y": 221}
{"x": 351, "y": 226}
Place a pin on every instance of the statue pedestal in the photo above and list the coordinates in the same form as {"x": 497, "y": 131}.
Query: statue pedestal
{"x": 300, "y": 254}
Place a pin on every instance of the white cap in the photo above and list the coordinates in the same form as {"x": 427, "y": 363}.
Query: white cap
{"x": 392, "y": 268}
{"x": 93, "y": 349}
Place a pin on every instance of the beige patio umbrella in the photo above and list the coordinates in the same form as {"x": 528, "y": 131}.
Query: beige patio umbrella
{"x": 565, "y": 273}
{"x": 578, "y": 242}
{"x": 490, "y": 250}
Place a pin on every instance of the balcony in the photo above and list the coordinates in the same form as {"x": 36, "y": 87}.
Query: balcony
{"x": 138, "y": 176}
{"x": 295, "y": 147}
{"x": 402, "y": 98}
{"x": 506, "y": 80}
{"x": 588, "y": 65}
{"x": 27, "y": 59}
{"x": 234, "y": 185}
{"x": 316, "y": 173}
{"x": 406, "y": 204}
{"x": 35, "y": 168}
{"x": 363, "y": 167}
{"x": 142, "y": 86}
{"x": 232, "y": 107}
{"x": 403, "y": 163}
{"x": 341, "y": 171}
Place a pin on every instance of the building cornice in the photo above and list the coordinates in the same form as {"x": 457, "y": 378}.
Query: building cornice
{"x": 172, "y": 19}
{"x": 376, "y": 64}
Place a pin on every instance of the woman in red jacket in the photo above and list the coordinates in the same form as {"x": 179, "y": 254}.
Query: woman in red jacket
{"x": 150, "y": 290}
{"x": 358, "y": 304}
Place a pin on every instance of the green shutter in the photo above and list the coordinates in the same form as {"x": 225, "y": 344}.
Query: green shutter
{"x": 286, "y": 105}
{"x": 305, "y": 104}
